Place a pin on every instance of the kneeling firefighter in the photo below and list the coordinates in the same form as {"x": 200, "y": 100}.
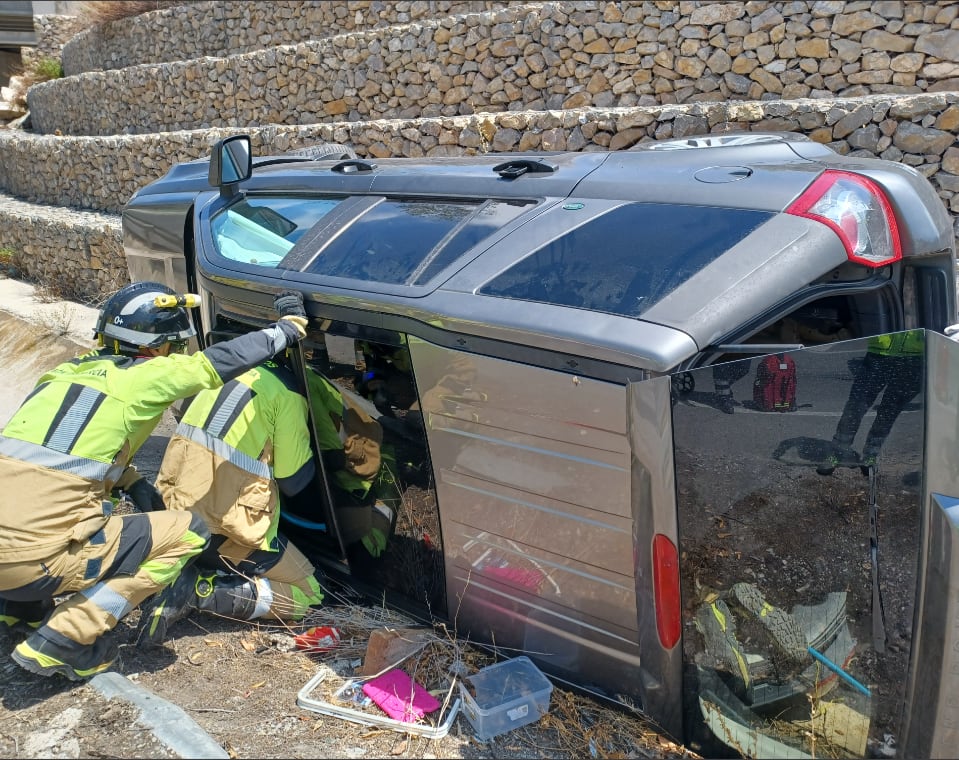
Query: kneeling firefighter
{"x": 69, "y": 445}
{"x": 362, "y": 468}
{"x": 234, "y": 452}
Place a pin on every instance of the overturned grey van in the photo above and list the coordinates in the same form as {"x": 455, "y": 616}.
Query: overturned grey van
{"x": 678, "y": 423}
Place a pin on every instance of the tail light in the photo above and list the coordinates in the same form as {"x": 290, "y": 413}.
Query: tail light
{"x": 857, "y": 210}
{"x": 666, "y": 590}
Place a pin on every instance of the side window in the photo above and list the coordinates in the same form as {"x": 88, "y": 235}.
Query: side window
{"x": 262, "y": 230}
{"x": 628, "y": 259}
{"x": 409, "y": 240}
{"x": 372, "y": 439}
{"x": 396, "y": 241}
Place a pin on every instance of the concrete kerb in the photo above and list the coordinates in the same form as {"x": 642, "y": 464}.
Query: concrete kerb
{"x": 169, "y": 723}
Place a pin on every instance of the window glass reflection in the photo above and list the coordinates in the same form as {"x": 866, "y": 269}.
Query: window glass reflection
{"x": 798, "y": 495}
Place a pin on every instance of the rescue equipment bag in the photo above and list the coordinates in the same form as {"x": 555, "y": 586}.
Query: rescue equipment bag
{"x": 774, "y": 389}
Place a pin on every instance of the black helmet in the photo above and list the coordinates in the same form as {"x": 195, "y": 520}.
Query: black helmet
{"x": 131, "y": 318}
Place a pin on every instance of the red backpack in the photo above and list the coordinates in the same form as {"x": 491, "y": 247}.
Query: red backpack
{"x": 774, "y": 389}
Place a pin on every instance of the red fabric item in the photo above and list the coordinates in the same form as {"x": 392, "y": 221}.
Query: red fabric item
{"x": 774, "y": 389}
{"x": 318, "y": 639}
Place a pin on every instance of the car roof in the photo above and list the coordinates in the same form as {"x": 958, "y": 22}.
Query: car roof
{"x": 751, "y": 173}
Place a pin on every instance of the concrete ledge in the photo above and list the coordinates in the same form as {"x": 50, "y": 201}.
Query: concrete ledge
{"x": 169, "y": 723}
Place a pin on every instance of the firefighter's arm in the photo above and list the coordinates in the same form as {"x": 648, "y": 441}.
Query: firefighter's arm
{"x": 232, "y": 358}
{"x": 158, "y": 382}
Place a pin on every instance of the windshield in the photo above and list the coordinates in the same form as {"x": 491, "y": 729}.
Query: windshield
{"x": 398, "y": 241}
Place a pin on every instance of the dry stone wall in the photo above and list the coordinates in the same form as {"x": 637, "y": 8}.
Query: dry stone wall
{"x": 219, "y": 29}
{"x": 52, "y": 32}
{"x": 869, "y": 79}
{"x": 560, "y": 55}
{"x": 77, "y": 256}
{"x": 102, "y": 173}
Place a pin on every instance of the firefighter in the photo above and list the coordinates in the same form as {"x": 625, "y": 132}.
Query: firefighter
{"x": 892, "y": 366}
{"x": 363, "y": 471}
{"x": 69, "y": 445}
{"x": 234, "y": 452}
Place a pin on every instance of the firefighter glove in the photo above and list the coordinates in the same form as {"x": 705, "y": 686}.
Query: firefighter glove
{"x": 374, "y": 542}
{"x": 293, "y": 328}
{"x": 289, "y": 303}
{"x": 145, "y": 496}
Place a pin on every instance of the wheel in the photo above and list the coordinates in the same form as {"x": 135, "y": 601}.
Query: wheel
{"x": 683, "y": 383}
{"x": 322, "y": 151}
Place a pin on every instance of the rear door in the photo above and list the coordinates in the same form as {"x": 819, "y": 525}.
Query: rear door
{"x": 931, "y": 726}
{"x": 804, "y": 535}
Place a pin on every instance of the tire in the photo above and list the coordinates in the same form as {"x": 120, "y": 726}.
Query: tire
{"x": 324, "y": 151}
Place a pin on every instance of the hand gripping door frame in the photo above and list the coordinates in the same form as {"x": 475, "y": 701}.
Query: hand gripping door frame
{"x": 299, "y": 369}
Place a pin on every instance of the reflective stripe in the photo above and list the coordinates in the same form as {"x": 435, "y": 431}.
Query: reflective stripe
{"x": 74, "y": 420}
{"x": 108, "y": 600}
{"x": 227, "y": 408}
{"x": 140, "y": 338}
{"x": 264, "y": 598}
{"x": 163, "y": 573}
{"x": 224, "y": 450}
{"x": 384, "y": 510}
{"x": 55, "y": 460}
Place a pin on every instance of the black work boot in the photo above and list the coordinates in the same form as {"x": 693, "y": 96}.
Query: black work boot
{"x": 229, "y": 596}
{"x": 30, "y": 613}
{"x": 167, "y": 607}
{"x": 40, "y": 655}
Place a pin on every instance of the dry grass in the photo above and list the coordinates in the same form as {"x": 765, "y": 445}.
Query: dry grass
{"x": 574, "y": 726}
{"x": 38, "y": 71}
{"x": 95, "y": 12}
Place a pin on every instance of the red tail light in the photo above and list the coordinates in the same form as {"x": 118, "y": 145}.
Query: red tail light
{"x": 857, "y": 210}
{"x": 666, "y": 590}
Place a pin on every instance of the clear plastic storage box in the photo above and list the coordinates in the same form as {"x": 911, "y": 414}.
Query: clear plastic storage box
{"x": 505, "y": 696}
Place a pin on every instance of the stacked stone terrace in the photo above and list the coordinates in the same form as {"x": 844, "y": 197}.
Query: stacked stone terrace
{"x": 871, "y": 79}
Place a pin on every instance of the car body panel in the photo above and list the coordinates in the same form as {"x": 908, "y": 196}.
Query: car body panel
{"x": 570, "y": 434}
{"x": 931, "y": 724}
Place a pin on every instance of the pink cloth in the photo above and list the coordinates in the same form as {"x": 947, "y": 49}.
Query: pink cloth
{"x": 399, "y": 697}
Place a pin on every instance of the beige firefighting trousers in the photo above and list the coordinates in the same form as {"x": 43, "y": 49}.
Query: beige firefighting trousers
{"x": 114, "y": 570}
{"x": 292, "y": 585}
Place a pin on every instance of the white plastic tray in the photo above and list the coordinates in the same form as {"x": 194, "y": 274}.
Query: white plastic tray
{"x": 303, "y": 699}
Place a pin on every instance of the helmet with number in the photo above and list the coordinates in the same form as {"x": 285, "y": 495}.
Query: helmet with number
{"x": 132, "y": 319}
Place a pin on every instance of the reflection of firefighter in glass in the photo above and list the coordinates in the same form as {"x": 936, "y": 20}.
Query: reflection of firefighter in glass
{"x": 893, "y": 366}
{"x": 362, "y": 469}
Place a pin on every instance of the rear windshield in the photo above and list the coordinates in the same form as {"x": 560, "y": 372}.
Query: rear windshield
{"x": 398, "y": 241}
{"x": 628, "y": 259}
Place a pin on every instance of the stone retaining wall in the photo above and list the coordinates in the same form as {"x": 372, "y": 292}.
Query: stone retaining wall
{"x": 560, "y": 55}
{"x": 219, "y": 29}
{"x": 53, "y": 32}
{"x": 79, "y": 254}
{"x": 76, "y": 255}
{"x": 102, "y": 173}
{"x": 82, "y": 252}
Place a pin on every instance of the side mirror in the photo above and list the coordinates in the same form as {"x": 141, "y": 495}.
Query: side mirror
{"x": 231, "y": 161}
